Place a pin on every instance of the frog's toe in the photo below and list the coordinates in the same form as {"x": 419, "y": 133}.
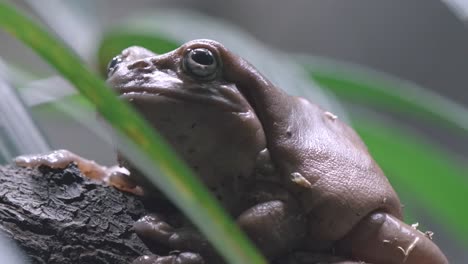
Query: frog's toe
{"x": 181, "y": 258}
{"x": 120, "y": 179}
{"x": 54, "y": 159}
{"x": 153, "y": 227}
{"x": 189, "y": 258}
{"x": 274, "y": 226}
{"x": 311, "y": 257}
{"x": 382, "y": 238}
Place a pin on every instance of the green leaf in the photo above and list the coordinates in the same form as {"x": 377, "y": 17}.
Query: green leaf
{"x": 177, "y": 182}
{"x": 367, "y": 87}
{"x": 114, "y": 42}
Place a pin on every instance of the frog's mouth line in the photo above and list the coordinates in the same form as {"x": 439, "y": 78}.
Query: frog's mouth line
{"x": 227, "y": 101}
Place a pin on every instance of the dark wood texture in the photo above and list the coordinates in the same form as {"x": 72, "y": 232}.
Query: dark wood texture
{"x": 58, "y": 216}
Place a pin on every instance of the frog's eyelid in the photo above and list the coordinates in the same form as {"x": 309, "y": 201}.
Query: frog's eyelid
{"x": 200, "y": 62}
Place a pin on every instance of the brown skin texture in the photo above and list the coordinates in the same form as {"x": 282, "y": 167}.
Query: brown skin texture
{"x": 294, "y": 176}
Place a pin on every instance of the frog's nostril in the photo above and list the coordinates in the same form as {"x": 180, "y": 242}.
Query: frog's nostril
{"x": 141, "y": 64}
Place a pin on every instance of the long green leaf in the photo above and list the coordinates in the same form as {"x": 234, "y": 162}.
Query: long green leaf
{"x": 370, "y": 88}
{"x": 178, "y": 183}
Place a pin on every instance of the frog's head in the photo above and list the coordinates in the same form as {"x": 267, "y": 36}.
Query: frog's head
{"x": 185, "y": 95}
{"x": 191, "y": 73}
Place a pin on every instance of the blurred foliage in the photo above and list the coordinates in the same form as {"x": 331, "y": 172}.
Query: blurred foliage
{"x": 377, "y": 91}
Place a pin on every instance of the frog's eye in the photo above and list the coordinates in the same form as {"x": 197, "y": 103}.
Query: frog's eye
{"x": 113, "y": 64}
{"x": 201, "y": 63}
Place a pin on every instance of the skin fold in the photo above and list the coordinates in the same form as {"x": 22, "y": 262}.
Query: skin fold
{"x": 299, "y": 182}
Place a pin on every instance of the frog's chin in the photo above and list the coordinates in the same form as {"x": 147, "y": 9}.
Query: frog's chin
{"x": 156, "y": 95}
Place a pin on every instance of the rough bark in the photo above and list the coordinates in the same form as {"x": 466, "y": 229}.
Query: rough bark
{"x": 58, "y": 216}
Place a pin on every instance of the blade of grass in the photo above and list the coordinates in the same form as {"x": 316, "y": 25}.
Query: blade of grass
{"x": 179, "y": 183}
{"x": 20, "y": 135}
{"x": 368, "y": 87}
{"x": 425, "y": 172}
{"x": 67, "y": 15}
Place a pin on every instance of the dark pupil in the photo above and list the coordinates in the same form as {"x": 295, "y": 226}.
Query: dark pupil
{"x": 202, "y": 56}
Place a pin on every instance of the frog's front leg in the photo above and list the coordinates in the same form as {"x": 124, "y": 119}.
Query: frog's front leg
{"x": 116, "y": 176}
{"x": 276, "y": 227}
{"x": 382, "y": 238}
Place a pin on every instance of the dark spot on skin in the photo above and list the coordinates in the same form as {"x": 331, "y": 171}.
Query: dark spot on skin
{"x": 193, "y": 125}
{"x": 288, "y": 134}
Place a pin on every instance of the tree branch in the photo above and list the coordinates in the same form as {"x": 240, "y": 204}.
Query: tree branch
{"x": 59, "y": 216}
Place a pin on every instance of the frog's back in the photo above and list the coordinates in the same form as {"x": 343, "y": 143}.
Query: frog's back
{"x": 346, "y": 184}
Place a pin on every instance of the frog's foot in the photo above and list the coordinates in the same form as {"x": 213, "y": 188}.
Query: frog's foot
{"x": 60, "y": 159}
{"x": 152, "y": 228}
{"x": 276, "y": 227}
{"x": 382, "y": 238}
{"x": 313, "y": 258}
{"x": 179, "y": 258}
